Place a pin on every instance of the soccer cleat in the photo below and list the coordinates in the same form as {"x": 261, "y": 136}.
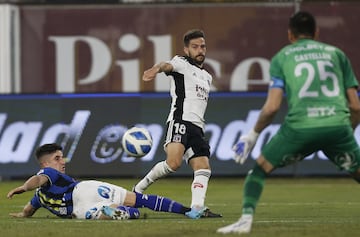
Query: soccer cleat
{"x": 195, "y": 212}
{"x": 209, "y": 214}
{"x": 114, "y": 213}
{"x": 242, "y": 226}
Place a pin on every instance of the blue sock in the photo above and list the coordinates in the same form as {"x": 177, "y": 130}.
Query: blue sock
{"x": 158, "y": 203}
{"x": 133, "y": 212}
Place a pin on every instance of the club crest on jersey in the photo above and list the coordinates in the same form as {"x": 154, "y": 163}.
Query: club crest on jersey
{"x": 177, "y": 138}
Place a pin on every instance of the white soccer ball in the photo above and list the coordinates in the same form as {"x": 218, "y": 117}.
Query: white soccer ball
{"x": 137, "y": 142}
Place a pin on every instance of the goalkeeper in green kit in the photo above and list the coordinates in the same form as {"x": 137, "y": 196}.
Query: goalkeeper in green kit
{"x": 323, "y": 111}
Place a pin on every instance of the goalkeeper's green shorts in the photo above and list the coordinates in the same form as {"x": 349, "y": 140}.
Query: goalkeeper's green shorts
{"x": 290, "y": 145}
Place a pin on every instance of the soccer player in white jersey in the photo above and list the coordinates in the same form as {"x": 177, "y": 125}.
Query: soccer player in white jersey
{"x": 190, "y": 87}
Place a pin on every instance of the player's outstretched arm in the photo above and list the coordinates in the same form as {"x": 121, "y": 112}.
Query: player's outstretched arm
{"x": 28, "y": 211}
{"x": 32, "y": 183}
{"x": 247, "y": 142}
{"x": 150, "y": 74}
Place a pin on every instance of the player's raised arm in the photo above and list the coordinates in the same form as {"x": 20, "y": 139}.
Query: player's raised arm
{"x": 32, "y": 183}
{"x": 150, "y": 74}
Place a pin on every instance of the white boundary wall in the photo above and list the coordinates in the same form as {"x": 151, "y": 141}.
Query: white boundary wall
{"x": 9, "y": 49}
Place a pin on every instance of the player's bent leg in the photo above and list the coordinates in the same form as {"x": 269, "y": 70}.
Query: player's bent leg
{"x": 89, "y": 197}
{"x": 160, "y": 170}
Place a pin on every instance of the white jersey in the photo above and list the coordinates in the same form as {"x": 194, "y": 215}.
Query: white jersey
{"x": 189, "y": 90}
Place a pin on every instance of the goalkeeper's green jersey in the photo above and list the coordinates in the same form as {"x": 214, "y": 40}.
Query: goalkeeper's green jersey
{"x": 315, "y": 77}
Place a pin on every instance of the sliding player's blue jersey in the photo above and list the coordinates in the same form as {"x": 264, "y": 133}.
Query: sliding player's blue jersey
{"x": 56, "y": 195}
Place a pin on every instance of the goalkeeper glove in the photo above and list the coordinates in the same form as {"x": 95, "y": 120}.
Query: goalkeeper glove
{"x": 244, "y": 146}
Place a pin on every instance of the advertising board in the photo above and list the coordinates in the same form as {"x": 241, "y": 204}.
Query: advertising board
{"x": 106, "y": 48}
{"x": 90, "y": 128}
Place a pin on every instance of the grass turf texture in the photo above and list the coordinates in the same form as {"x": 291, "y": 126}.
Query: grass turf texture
{"x": 289, "y": 207}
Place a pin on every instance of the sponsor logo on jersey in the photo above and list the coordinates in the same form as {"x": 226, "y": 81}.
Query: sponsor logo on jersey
{"x": 104, "y": 191}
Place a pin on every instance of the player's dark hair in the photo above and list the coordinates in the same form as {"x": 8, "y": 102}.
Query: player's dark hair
{"x": 192, "y": 34}
{"x": 47, "y": 149}
{"x": 302, "y": 23}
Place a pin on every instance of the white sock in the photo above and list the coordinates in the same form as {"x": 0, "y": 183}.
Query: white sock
{"x": 199, "y": 187}
{"x": 160, "y": 170}
{"x": 248, "y": 217}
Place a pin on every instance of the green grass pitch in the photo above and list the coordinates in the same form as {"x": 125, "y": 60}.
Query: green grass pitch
{"x": 291, "y": 207}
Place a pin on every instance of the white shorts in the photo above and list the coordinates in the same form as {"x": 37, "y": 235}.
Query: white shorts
{"x": 89, "y": 196}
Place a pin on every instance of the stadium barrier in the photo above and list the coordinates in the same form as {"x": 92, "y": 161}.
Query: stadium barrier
{"x": 90, "y": 128}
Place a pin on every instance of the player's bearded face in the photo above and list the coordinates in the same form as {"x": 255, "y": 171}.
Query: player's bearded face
{"x": 197, "y": 57}
{"x": 197, "y": 50}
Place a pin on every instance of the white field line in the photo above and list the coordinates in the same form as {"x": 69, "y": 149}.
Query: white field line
{"x": 347, "y": 221}
{"x": 306, "y": 203}
{"x": 285, "y": 203}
